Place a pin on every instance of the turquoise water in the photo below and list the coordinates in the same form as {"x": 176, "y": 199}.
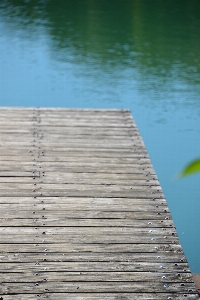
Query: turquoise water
{"x": 137, "y": 54}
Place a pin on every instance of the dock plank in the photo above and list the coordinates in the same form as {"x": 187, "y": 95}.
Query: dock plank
{"x": 82, "y": 212}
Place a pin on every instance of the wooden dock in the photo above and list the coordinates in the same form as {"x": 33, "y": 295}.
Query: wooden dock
{"x": 82, "y": 213}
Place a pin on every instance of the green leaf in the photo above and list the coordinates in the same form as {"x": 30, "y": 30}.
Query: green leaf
{"x": 191, "y": 168}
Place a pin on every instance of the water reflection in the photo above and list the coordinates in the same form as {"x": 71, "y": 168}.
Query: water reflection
{"x": 157, "y": 37}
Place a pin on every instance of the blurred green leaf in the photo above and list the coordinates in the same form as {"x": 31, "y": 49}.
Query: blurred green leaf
{"x": 191, "y": 168}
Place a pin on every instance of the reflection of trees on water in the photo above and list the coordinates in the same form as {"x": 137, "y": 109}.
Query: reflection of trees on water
{"x": 151, "y": 35}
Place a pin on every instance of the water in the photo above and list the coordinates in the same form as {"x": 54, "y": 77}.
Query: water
{"x": 136, "y": 54}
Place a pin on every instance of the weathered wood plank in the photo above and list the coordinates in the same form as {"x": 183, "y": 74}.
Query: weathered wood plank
{"x": 66, "y": 247}
{"x": 79, "y": 187}
{"x": 95, "y": 287}
{"x": 68, "y": 232}
{"x": 45, "y": 160}
{"x": 88, "y": 214}
{"x": 100, "y": 205}
{"x": 104, "y": 296}
{"x": 70, "y": 175}
{"x": 83, "y": 168}
{"x": 95, "y": 266}
{"x": 172, "y": 256}
{"x": 73, "y": 192}
{"x": 74, "y": 152}
{"x": 69, "y": 178}
{"x": 82, "y": 212}
{"x": 90, "y": 238}
{"x": 103, "y": 204}
{"x": 92, "y": 276}
{"x": 87, "y": 143}
{"x": 63, "y": 221}
{"x": 90, "y": 161}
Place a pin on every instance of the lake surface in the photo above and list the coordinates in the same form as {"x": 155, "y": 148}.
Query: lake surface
{"x": 137, "y": 54}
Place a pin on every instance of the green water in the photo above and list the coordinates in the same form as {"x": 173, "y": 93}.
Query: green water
{"x": 138, "y": 54}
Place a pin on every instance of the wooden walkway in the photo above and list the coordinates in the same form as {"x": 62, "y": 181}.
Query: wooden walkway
{"x": 82, "y": 212}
